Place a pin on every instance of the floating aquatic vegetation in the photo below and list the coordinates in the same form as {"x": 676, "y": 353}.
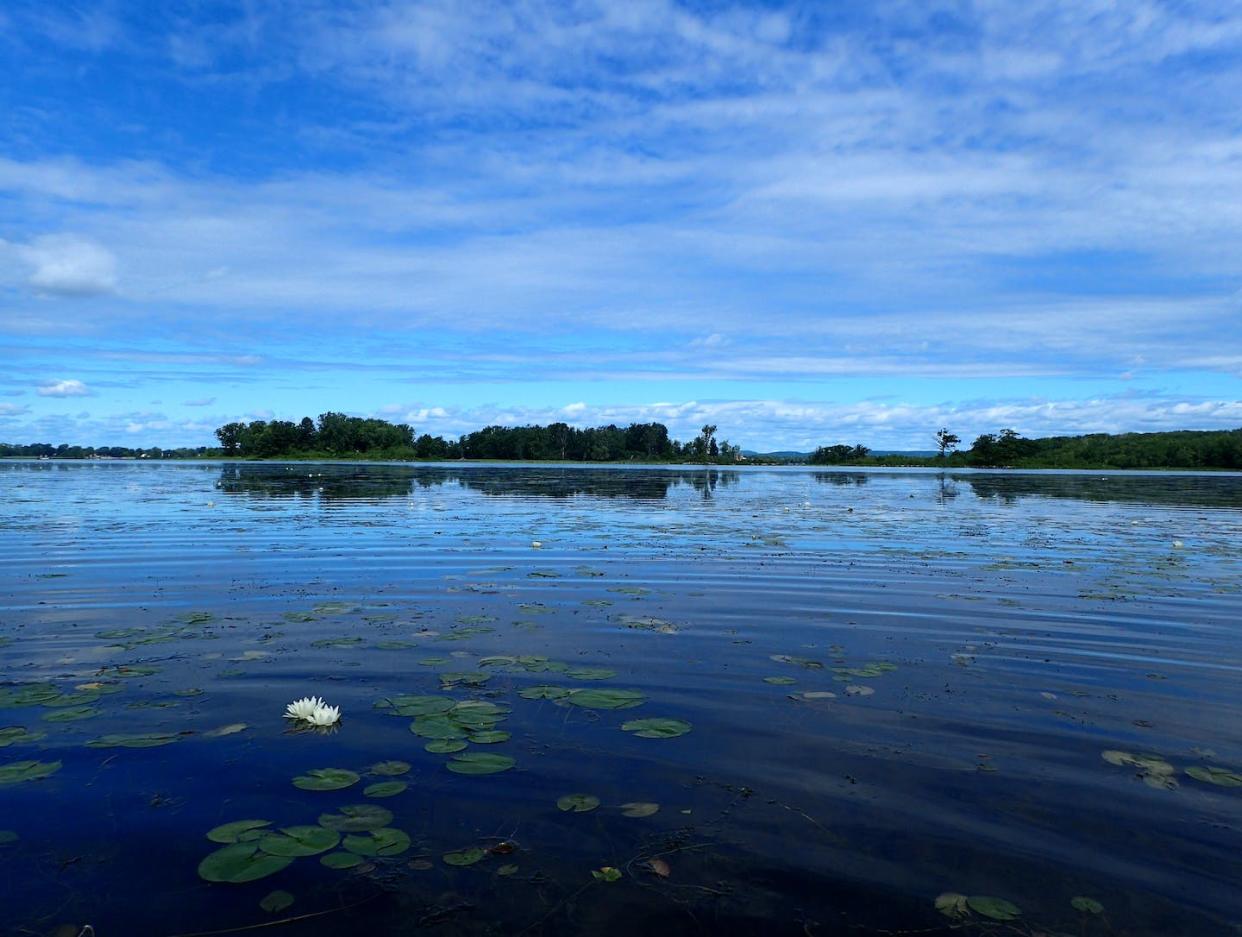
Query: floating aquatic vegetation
{"x": 335, "y": 608}
{"x": 16, "y": 772}
{"x": 299, "y": 841}
{"x": 239, "y": 831}
{"x": 656, "y": 728}
{"x": 71, "y": 714}
{"x": 480, "y": 763}
{"x": 649, "y": 623}
{"x": 780, "y": 681}
{"x": 450, "y": 681}
{"x": 465, "y": 857}
{"x": 276, "y": 901}
{"x": 507, "y": 869}
{"x": 382, "y": 842}
{"x": 409, "y": 706}
{"x": 1086, "y": 905}
{"x": 630, "y": 590}
{"x": 357, "y": 818}
{"x": 30, "y": 694}
{"x": 341, "y": 860}
{"x": 875, "y": 669}
{"x": 141, "y": 740}
{"x": 311, "y": 710}
{"x": 638, "y": 809}
{"x": 460, "y": 634}
{"x": 543, "y": 692}
{"x": 1214, "y": 775}
{"x": 603, "y": 698}
{"x": 231, "y": 729}
{"x": 389, "y": 768}
{"x": 855, "y": 689}
{"x": 445, "y": 746}
{"x": 338, "y": 642}
{"x": 240, "y": 863}
{"x": 384, "y": 789}
{"x": 577, "y": 803}
{"x": 326, "y": 779}
{"x": 590, "y": 673}
{"x": 1154, "y": 770}
{"x": 606, "y": 874}
{"x": 804, "y": 662}
{"x": 960, "y": 907}
{"x": 18, "y": 735}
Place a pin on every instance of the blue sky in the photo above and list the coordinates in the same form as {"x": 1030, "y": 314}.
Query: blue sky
{"x": 804, "y": 222}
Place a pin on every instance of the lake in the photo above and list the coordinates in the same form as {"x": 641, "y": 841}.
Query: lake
{"x": 616, "y": 701}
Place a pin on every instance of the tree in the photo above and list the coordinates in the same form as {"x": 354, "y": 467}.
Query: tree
{"x": 705, "y": 441}
{"x": 946, "y": 441}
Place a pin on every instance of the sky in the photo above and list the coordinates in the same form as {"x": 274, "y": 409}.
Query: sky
{"x": 806, "y": 223}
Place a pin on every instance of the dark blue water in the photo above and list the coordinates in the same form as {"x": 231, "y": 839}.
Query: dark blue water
{"x": 898, "y": 685}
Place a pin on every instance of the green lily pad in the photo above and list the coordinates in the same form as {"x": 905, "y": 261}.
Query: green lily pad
{"x": 357, "y": 818}
{"x": 29, "y": 694}
{"x": 953, "y": 905}
{"x": 144, "y": 740}
{"x": 657, "y": 728}
{"x": 337, "y": 642}
{"x": 384, "y": 789}
{"x": 71, "y": 714}
{"x": 231, "y": 729}
{"x": 383, "y": 842}
{"x": 475, "y": 678}
{"x": 84, "y": 698}
{"x": 240, "y": 862}
{"x": 340, "y": 860}
{"x": 389, "y": 769}
{"x": 543, "y": 692}
{"x": 607, "y": 874}
{"x": 1086, "y": 905}
{"x": 17, "y": 771}
{"x": 235, "y": 831}
{"x": 276, "y": 902}
{"x": 779, "y": 681}
{"x": 445, "y": 746}
{"x": 464, "y": 857}
{"x": 577, "y": 803}
{"x": 16, "y": 735}
{"x": 638, "y": 809}
{"x": 299, "y": 841}
{"x": 410, "y": 706}
{"x": 590, "y": 673}
{"x": 606, "y": 699}
{"x": 1214, "y": 775}
{"x": 804, "y": 662}
{"x": 480, "y": 763}
{"x": 998, "y": 909}
{"x": 437, "y": 727}
{"x": 326, "y": 779}
{"x": 507, "y": 869}
{"x": 489, "y": 738}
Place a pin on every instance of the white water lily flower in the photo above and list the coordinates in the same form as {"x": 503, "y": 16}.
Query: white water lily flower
{"x": 325, "y": 715}
{"x": 303, "y": 708}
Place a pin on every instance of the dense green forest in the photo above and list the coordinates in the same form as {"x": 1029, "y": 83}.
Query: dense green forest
{"x": 337, "y": 435}
{"x": 1183, "y": 449}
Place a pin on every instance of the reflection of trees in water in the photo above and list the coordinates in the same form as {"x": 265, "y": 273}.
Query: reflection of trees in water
{"x": 841, "y": 478}
{"x": 331, "y": 482}
{"x": 1192, "y": 490}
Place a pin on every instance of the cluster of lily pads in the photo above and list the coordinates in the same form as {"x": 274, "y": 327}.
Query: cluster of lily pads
{"x": 449, "y": 726}
{"x": 1156, "y": 772}
{"x": 251, "y": 850}
{"x": 338, "y": 779}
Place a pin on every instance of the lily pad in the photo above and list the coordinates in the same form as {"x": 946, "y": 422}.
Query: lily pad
{"x": 445, "y": 746}
{"x": 17, "y": 771}
{"x": 326, "y": 779}
{"x": 464, "y": 857}
{"x": 779, "y": 681}
{"x": 1214, "y": 775}
{"x": 577, "y": 803}
{"x": 638, "y": 809}
{"x": 606, "y": 874}
{"x": 384, "y": 789}
{"x": 29, "y": 694}
{"x": 337, "y": 642}
{"x": 357, "y": 818}
{"x": 543, "y": 692}
{"x": 998, "y": 909}
{"x": 489, "y": 738}
{"x": 340, "y": 860}
{"x": 480, "y": 763}
{"x": 1086, "y": 905}
{"x": 236, "y": 831}
{"x": 230, "y": 729}
{"x": 71, "y": 714}
{"x": 276, "y": 902}
{"x": 437, "y": 727}
{"x": 410, "y": 706}
{"x": 953, "y": 905}
{"x": 299, "y": 841}
{"x": 602, "y": 698}
{"x": 590, "y": 673}
{"x": 657, "y": 728}
{"x": 16, "y": 735}
{"x": 382, "y": 842}
{"x": 389, "y": 769}
{"x": 240, "y": 862}
{"x": 144, "y": 740}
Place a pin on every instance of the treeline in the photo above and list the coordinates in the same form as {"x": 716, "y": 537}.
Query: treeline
{"x": 1182, "y": 449}
{"x": 336, "y": 435}
{"x": 43, "y": 450}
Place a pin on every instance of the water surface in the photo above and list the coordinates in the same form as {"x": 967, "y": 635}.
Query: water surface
{"x": 898, "y": 685}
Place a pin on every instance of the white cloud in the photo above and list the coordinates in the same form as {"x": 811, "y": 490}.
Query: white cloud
{"x": 13, "y": 409}
{"x": 69, "y": 388}
{"x": 69, "y": 265}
